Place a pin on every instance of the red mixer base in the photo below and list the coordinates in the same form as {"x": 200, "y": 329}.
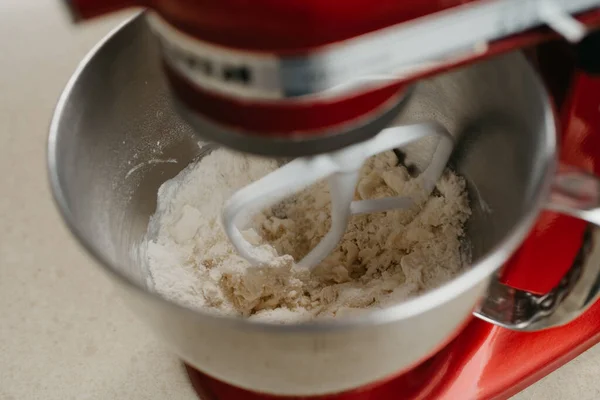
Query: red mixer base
{"x": 483, "y": 362}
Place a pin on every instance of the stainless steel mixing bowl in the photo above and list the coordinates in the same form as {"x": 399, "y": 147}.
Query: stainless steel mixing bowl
{"x": 115, "y": 138}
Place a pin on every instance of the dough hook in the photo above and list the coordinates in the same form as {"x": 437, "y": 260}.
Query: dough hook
{"x": 341, "y": 169}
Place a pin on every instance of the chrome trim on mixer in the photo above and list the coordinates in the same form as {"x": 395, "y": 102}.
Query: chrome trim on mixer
{"x": 364, "y": 62}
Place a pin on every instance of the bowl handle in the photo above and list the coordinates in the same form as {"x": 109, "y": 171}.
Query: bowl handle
{"x": 575, "y": 193}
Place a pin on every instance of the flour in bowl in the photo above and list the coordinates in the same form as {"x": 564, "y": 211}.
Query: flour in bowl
{"x": 384, "y": 258}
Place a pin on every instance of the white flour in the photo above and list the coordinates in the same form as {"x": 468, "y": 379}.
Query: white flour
{"x": 383, "y": 258}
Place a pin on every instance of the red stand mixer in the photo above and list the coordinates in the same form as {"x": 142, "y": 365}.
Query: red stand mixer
{"x": 308, "y": 77}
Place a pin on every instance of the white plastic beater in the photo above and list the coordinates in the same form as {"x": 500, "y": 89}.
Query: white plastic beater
{"x": 341, "y": 168}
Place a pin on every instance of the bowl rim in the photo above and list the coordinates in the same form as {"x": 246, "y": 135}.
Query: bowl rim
{"x": 477, "y": 272}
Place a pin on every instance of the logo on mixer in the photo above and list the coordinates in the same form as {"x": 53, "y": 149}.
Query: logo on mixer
{"x": 209, "y": 68}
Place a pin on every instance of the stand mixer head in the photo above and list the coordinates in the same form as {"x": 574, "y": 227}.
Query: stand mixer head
{"x": 289, "y": 79}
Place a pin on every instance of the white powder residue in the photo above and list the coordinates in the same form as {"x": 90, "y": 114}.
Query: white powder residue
{"x": 383, "y": 259}
{"x": 149, "y": 162}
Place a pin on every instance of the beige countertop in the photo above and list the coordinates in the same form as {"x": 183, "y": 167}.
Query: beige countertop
{"x": 64, "y": 334}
